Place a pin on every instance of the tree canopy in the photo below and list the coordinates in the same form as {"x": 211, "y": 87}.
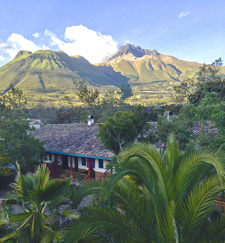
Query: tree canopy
{"x": 16, "y": 142}
{"x": 207, "y": 80}
{"x": 202, "y": 118}
{"x": 123, "y": 128}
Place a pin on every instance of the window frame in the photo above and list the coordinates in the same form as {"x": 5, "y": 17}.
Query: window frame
{"x": 102, "y": 162}
{"x": 84, "y": 161}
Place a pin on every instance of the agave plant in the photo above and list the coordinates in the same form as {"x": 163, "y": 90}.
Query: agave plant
{"x": 157, "y": 197}
{"x": 37, "y": 195}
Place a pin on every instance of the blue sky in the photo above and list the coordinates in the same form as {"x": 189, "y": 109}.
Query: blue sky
{"x": 192, "y": 30}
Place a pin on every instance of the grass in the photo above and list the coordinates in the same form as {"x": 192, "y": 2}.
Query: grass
{"x": 49, "y": 76}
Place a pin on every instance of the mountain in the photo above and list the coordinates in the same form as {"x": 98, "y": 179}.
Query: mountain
{"x": 48, "y": 76}
{"x": 152, "y": 75}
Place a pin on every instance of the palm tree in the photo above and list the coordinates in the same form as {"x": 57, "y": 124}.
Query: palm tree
{"x": 156, "y": 197}
{"x": 37, "y": 194}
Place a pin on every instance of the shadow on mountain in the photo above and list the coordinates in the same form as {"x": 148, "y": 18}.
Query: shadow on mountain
{"x": 116, "y": 78}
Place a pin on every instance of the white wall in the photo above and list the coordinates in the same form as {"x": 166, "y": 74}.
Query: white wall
{"x": 73, "y": 161}
{"x": 80, "y": 166}
{"x": 48, "y": 160}
{"x": 105, "y": 162}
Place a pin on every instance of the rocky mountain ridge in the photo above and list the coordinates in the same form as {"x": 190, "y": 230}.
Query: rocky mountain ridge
{"x": 46, "y": 75}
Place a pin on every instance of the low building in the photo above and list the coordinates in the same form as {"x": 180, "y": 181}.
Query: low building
{"x": 76, "y": 148}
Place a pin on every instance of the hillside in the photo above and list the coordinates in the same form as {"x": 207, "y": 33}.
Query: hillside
{"x": 47, "y": 76}
{"x": 151, "y": 74}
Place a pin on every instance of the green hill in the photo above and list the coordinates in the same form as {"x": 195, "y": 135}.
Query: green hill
{"x": 47, "y": 76}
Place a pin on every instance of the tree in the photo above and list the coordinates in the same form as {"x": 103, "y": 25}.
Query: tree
{"x": 183, "y": 91}
{"x": 181, "y": 125}
{"x": 209, "y": 115}
{"x": 16, "y": 143}
{"x": 38, "y": 195}
{"x": 87, "y": 94}
{"x": 154, "y": 197}
{"x": 207, "y": 80}
{"x": 101, "y": 107}
{"x": 204, "y": 112}
{"x": 126, "y": 91}
{"x": 123, "y": 128}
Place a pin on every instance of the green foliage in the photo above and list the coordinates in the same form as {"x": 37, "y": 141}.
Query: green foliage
{"x": 40, "y": 220}
{"x": 206, "y": 119}
{"x": 208, "y": 114}
{"x": 126, "y": 91}
{"x": 16, "y": 143}
{"x": 123, "y": 128}
{"x": 156, "y": 197}
{"x": 204, "y": 111}
{"x": 207, "y": 80}
{"x": 183, "y": 91}
{"x": 180, "y": 126}
{"x": 87, "y": 94}
{"x": 100, "y": 107}
{"x": 48, "y": 76}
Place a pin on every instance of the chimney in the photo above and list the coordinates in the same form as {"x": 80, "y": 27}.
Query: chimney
{"x": 90, "y": 120}
{"x": 168, "y": 115}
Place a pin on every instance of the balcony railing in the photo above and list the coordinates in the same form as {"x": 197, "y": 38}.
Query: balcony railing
{"x": 221, "y": 206}
{"x": 76, "y": 175}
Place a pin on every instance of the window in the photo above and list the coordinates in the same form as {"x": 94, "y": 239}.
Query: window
{"x": 50, "y": 156}
{"x": 100, "y": 163}
{"x": 83, "y": 162}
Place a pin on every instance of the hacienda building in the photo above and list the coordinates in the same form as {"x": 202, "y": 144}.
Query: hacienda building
{"x": 76, "y": 148}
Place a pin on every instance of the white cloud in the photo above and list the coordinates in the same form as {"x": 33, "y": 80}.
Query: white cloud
{"x": 183, "y": 14}
{"x": 17, "y": 42}
{"x": 36, "y": 35}
{"x": 79, "y": 40}
{"x": 53, "y": 39}
{"x": 2, "y": 58}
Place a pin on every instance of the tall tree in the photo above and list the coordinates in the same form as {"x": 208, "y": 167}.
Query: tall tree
{"x": 155, "y": 197}
{"x": 16, "y": 142}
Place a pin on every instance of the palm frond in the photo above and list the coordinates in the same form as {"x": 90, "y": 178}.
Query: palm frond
{"x": 215, "y": 232}
{"x": 144, "y": 162}
{"x": 172, "y": 154}
{"x": 167, "y": 226}
{"x": 54, "y": 190}
{"x": 193, "y": 167}
{"x": 198, "y": 206}
{"x": 19, "y": 217}
{"x": 52, "y": 236}
{"x": 134, "y": 203}
{"x": 42, "y": 176}
{"x": 104, "y": 221}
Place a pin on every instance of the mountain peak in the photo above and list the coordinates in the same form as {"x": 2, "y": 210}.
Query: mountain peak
{"x": 22, "y": 52}
{"x": 137, "y": 51}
